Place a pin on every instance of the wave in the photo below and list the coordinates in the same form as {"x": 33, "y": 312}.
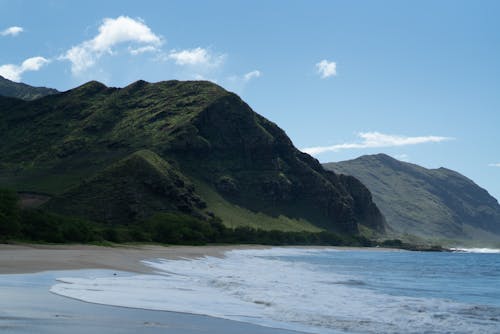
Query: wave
{"x": 274, "y": 288}
{"x": 476, "y": 250}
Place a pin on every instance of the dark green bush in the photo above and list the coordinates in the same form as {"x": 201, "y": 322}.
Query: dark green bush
{"x": 168, "y": 228}
{"x": 9, "y": 214}
{"x": 38, "y": 225}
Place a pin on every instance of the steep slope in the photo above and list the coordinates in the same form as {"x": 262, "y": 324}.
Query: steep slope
{"x": 131, "y": 189}
{"x": 23, "y": 91}
{"x": 437, "y": 203}
{"x": 213, "y": 138}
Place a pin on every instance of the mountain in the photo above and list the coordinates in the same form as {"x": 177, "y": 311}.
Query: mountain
{"x": 120, "y": 155}
{"x": 430, "y": 203}
{"x": 23, "y": 91}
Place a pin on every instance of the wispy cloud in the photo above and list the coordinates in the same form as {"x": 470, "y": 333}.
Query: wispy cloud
{"x": 326, "y": 68}
{"x": 252, "y": 75}
{"x": 196, "y": 57}
{"x": 112, "y": 32}
{"x": 238, "y": 83}
{"x": 494, "y": 165}
{"x": 376, "y": 140}
{"x": 14, "y": 72}
{"x": 11, "y": 31}
{"x": 143, "y": 49}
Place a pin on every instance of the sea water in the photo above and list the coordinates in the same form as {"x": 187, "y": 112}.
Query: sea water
{"x": 317, "y": 290}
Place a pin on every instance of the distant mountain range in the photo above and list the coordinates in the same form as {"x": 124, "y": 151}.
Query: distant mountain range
{"x": 119, "y": 156}
{"x": 430, "y": 203}
{"x": 23, "y": 91}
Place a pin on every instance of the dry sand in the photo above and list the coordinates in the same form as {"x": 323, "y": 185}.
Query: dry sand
{"x": 15, "y": 259}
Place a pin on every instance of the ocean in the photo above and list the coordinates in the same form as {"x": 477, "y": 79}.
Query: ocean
{"x": 315, "y": 290}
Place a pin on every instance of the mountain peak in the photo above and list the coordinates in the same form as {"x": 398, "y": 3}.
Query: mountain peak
{"x": 91, "y": 87}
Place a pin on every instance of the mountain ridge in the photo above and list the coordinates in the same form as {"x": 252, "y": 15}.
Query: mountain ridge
{"x": 23, "y": 91}
{"x": 56, "y": 144}
{"x": 429, "y": 203}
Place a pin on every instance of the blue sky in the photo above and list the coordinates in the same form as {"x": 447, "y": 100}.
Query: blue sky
{"x": 417, "y": 80}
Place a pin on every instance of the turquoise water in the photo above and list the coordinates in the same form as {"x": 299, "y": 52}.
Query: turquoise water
{"x": 316, "y": 290}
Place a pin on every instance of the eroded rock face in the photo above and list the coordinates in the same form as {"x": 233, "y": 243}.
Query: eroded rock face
{"x": 253, "y": 163}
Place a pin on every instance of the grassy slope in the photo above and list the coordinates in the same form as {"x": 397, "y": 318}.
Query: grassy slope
{"x": 131, "y": 189}
{"x": 235, "y": 216}
{"x": 56, "y": 142}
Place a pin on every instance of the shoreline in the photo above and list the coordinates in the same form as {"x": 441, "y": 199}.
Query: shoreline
{"x": 29, "y": 307}
{"x": 27, "y": 271}
{"x": 33, "y": 258}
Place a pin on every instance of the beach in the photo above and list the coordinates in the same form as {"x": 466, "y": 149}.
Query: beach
{"x": 27, "y": 272}
{"x": 27, "y": 306}
{"x": 15, "y": 259}
{"x": 35, "y": 258}
{"x": 245, "y": 289}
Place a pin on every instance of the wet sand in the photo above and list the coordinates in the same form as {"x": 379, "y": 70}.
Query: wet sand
{"x": 27, "y": 307}
{"x": 28, "y": 271}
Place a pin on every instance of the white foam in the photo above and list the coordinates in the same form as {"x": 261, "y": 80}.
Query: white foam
{"x": 257, "y": 286}
{"x": 476, "y": 250}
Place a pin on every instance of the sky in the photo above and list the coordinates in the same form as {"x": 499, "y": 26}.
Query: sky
{"x": 418, "y": 80}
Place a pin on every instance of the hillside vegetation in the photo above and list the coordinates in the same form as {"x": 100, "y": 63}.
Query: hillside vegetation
{"x": 429, "y": 203}
{"x": 121, "y": 156}
{"x": 23, "y": 91}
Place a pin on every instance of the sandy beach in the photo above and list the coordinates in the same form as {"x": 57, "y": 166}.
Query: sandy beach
{"x": 28, "y": 271}
{"x": 35, "y": 258}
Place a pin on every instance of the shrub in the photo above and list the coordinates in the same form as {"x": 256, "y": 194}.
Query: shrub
{"x": 9, "y": 214}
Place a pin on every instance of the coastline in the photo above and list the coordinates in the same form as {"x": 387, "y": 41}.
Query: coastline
{"x": 32, "y": 258}
{"x": 27, "y": 306}
{"x": 31, "y": 302}
{"x": 27, "y": 272}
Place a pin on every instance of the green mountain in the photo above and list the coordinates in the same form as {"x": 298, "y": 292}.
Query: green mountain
{"x": 430, "y": 203}
{"x": 23, "y": 91}
{"x": 120, "y": 155}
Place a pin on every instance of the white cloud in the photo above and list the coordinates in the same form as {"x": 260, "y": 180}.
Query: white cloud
{"x": 141, "y": 50}
{"x": 376, "y": 140}
{"x": 238, "y": 83}
{"x": 14, "y": 72}
{"x": 251, "y": 75}
{"x": 112, "y": 32}
{"x": 494, "y": 165}
{"x": 196, "y": 57}
{"x": 326, "y": 68}
{"x": 12, "y": 31}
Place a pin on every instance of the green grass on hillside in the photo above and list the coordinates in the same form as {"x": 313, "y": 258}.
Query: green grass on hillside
{"x": 235, "y": 216}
